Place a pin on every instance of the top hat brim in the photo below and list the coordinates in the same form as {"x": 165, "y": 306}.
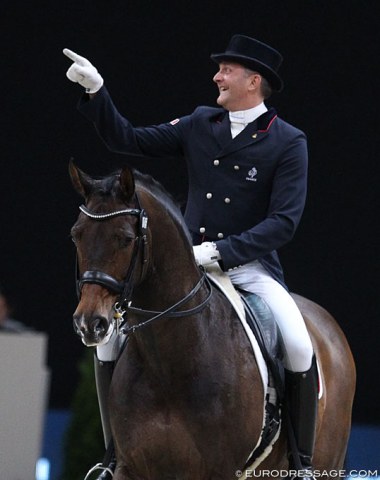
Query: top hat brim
{"x": 270, "y": 75}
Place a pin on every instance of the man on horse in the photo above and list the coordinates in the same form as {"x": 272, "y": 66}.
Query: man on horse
{"x": 247, "y": 189}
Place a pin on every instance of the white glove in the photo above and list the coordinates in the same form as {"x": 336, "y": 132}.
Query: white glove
{"x": 206, "y": 253}
{"x": 83, "y": 72}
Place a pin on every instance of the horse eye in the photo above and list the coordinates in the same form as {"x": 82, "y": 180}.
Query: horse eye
{"x": 74, "y": 237}
{"x": 123, "y": 241}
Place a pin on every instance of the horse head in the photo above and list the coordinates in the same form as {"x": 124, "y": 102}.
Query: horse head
{"x": 108, "y": 234}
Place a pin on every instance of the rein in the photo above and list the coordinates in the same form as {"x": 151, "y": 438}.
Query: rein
{"x": 171, "y": 311}
{"x": 125, "y": 288}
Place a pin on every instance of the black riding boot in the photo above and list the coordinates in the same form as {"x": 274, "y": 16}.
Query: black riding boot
{"x": 302, "y": 407}
{"x": 103, "y": 376}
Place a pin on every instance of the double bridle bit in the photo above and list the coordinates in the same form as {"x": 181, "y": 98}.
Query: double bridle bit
{"x": 125, "y": 288}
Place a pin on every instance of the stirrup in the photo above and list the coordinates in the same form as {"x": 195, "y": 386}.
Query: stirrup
{"x": 99, "y": 466}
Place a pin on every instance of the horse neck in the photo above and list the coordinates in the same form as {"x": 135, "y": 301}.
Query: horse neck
{"x": 171, "y": 276}
{"x": 172, "y": 271}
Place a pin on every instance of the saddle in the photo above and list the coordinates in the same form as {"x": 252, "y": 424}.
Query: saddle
{"x": 268, "y": 336}
{"x": 265, "y": 337}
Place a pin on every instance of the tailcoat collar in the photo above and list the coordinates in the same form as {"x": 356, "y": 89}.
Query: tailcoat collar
{"x": 252, "y": 133}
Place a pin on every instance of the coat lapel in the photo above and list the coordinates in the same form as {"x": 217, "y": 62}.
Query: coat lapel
{"x": 221, "y": 129}
{"x": 254, "y": 132}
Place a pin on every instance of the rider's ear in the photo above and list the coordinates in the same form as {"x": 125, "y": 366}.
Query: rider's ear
{"x": 80, "y": 180}
{"x": 127, "y": 182}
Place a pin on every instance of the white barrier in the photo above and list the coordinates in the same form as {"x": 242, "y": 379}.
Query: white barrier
{"x": 24, "y": 380}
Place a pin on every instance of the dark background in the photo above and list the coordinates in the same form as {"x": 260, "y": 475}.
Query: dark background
{"x": 154, "y": 56}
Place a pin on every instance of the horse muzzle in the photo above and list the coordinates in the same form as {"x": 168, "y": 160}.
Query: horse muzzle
{"x": 93, "y": 330}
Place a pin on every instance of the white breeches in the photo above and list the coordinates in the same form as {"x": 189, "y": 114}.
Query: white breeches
{"x": 297, "y": 344}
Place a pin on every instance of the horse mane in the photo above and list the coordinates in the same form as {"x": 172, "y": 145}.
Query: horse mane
{"x": 159, "y": 192}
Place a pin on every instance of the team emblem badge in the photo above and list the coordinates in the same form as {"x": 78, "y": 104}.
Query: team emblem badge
{"x": 252, "y": 175}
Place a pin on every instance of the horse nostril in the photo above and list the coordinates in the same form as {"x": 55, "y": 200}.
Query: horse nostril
{"x": 99, "y": 325}
{"x": 94, "y": 327}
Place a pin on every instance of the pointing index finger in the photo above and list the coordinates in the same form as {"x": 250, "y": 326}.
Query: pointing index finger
{"x": 75, "y": 57}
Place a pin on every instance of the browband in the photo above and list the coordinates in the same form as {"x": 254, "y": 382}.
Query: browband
{"x": 102, "y": 216}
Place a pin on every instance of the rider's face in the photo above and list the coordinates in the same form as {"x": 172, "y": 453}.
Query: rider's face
{"x": 235, "y": 86}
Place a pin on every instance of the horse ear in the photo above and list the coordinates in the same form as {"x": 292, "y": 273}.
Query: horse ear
{"x": 127, "y": 182}
{"x": 80, "y": 180}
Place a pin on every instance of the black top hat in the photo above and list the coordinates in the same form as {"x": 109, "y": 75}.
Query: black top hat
{"x": 254, "y": 55}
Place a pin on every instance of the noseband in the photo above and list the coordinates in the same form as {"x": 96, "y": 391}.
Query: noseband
{"x": 124, "y": 288}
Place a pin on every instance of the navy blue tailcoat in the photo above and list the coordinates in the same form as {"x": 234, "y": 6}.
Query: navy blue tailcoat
{"x": 247, "y": 194}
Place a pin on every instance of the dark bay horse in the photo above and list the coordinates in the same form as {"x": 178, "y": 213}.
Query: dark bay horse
{"x": 186, "y": 399}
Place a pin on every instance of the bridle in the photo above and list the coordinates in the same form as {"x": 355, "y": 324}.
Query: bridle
{"x": 125, "y": 287}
